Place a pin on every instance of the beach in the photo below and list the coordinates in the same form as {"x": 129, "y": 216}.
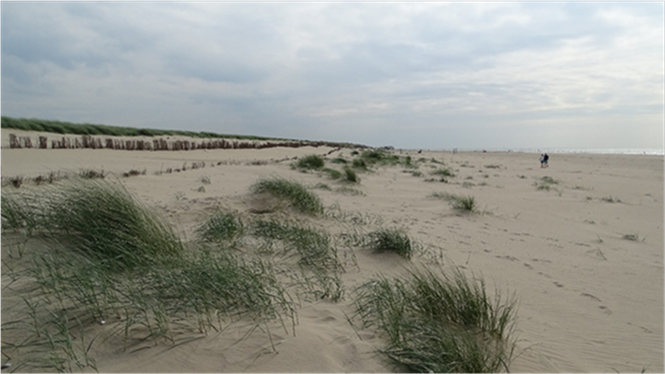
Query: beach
{"x": 579, "y": 244}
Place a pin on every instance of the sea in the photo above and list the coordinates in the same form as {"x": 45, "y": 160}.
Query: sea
{"x": 602, "y": 151}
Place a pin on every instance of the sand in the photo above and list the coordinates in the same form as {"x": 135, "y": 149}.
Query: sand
{"x": 589, "y": 299}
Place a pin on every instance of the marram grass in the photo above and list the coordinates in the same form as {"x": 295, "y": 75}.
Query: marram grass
{"x": 103, "y": 220}
{"x": 438, "y": 322}
{"x": 391, "y": 240}
{"x": 293, "y": 192}
{"x": 458, "y": 202}
{"x": 313, "y": 247}
{"x": 310, "y": 162}
{"x": 220, "y": 227}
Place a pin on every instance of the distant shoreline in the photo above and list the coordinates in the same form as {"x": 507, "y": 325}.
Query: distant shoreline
{"x": 591, "y": 151}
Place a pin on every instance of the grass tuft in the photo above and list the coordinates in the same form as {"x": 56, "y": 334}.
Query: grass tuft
{"x": 18, "y": 213}
{"x": 220, "y": 227}
{"x": 103, "y": 220}
{"x": 545, "y": 183}
{"x": 310, "y": 162}
{"x": 332, "y": 173}
{"x": 443, "y": 172}
{"x": 339, "y": 160}
{"x": 438, "y": 322}
{"x": 391, "y": 240}
{"x": 350, "y": 175}
{"x": 462, "y": 203}
{"x": 296, "y": 194}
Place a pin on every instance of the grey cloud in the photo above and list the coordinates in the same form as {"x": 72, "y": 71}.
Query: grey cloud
{"x": 389, "y": 73}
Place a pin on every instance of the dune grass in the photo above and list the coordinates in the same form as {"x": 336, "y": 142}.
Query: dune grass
{"x": 443, "y": 172}
{"x": 106, "y": 258}
{"x": 310, "y": 162}
{"x": 103, "y": 220}
{"x": 345, "y": 190}
{"x": 391, "y": 240}
{"x": 359, "y": 164}
{"x": 332, "y": 173}
{"x": 17, "y": 214}
{"x": 458, "y": 202}
{"x": 350, "y": 175}
{"x": 438, "y": 322}
{"x": 220, "y": 227}
{"x": 313, "y": 246}
{"x": 339, "y": 160}
{"x": 316, "y": 256}
{"x": 293, "y": 192}
{"x": 545, "y": 183}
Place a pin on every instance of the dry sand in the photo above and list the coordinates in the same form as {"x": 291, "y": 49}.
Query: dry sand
{"x": 589, "y": 300}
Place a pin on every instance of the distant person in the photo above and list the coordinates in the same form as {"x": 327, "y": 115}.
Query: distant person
{"x": 542, "y": 160}
{"x": 546, "y": 158}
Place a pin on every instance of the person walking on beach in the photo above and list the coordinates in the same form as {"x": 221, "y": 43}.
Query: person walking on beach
{"x": 546, "y": 158}
{"x": 542, "y": 160}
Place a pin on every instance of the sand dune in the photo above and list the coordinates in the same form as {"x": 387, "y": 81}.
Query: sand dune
{"x": 590, "y": 300}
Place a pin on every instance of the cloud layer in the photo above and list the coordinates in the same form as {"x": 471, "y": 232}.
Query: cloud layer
{"x": 409, "y": 75}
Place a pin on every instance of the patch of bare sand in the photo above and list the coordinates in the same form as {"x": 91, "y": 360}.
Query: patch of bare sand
{"x": 590, "y": 300}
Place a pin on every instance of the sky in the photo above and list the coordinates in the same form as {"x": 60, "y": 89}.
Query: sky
{"x": 407, "y": 75}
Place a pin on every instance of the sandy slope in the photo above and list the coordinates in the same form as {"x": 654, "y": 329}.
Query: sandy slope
{"x": 590, "y": 301}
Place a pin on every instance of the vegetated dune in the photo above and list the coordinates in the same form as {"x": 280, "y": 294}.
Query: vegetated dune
{"x": 575, "y": 249}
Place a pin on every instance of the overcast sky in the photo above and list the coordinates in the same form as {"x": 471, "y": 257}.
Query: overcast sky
{"x": 427, "y": 75}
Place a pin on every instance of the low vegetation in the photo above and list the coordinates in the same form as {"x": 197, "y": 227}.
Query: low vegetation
{"x": 332, "y": 173}
{"x": 310, "y": 162}
{"x": 350, "y": 175}
{"x": 443, "y": 172}
{"x": 545, "y": 183}
{"x": 221, "y": 227}
{"x": 60, "y": 127}
{"x": 391, "y": 240}
{"x": 102, "y": 256}
{"x": 312, "y": 246}
{"x": 438, "y": 322}
{"x": 294, "y": 193}
{"x": 458, "y": 202}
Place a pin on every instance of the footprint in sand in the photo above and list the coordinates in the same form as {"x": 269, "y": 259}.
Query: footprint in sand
{"x": 590, "y": 296}
{"x": 510, "y": 258}
{"x": 558, "y": 284}
{"x": 605, "y": 309}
